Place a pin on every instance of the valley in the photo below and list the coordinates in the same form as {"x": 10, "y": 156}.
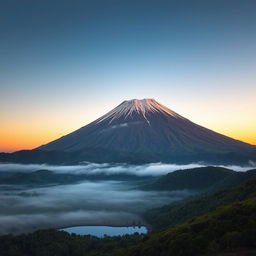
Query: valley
{"x": 89, "y": 204}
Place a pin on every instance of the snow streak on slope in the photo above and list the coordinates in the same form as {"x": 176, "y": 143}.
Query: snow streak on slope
{"x": 142, "y": 107}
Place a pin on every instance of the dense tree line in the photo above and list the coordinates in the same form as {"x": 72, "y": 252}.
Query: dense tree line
{"x": 59, "y": 243}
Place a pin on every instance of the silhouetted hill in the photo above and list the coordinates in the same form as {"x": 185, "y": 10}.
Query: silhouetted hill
{"x": 101, "y": 155}
{"x": 207, "y": 179}
{"x": 95, "y": 155}
{"x": 45, "y": 177}
{"x": 193, "y": 179}
{"x": 39, "y": 177}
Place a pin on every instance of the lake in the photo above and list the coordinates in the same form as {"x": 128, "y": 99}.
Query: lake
{"x": 100, "y": 231}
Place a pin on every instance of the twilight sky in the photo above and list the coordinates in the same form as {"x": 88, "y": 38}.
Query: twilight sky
{"x": 63, "y": 63}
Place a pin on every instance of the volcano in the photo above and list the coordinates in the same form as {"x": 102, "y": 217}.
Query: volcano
{"x": 146, "y": 131}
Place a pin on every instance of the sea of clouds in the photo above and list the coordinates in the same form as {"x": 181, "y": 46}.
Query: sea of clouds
{"x": 112, "y": 202}
{"x": 153, "y": 169}
{"x": 25, "y": 209}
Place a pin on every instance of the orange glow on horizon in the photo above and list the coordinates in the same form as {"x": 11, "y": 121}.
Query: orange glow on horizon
{"x": 31, "y": 128}
{"x": 16, "y": 139}
{"x": 11, "y": 141}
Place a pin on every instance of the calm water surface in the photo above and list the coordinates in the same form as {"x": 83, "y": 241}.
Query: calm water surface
{"x": 100, "y": 231}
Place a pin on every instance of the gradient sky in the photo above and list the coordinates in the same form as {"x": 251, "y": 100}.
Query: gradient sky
{"x": 63, "y": 63}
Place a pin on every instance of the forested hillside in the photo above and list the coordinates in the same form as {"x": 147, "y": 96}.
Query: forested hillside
{"x": 179, "y": 212}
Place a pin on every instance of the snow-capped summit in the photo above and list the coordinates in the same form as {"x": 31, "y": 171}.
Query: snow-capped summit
{"x": 148, "y": 131}
{"x": 142, "y": 107}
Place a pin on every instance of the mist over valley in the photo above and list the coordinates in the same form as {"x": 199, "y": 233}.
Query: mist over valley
{"x": 43, "y": 196}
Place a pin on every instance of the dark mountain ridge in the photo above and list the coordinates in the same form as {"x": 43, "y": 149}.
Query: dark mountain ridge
{"x": 203, "y": 179}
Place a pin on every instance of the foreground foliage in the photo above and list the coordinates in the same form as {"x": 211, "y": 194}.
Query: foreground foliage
{"x": 179, "y": 212}
{"x": 227, "y": 228}
{"x": 60, "y": 243}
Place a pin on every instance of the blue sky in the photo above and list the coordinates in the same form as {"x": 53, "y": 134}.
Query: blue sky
{"x": 67, "y": 62}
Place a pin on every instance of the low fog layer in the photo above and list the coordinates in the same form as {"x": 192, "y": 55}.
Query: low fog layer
{"x": 100, "y": 203}
{"x": 25, "y": 208}
{"x": 154, "y": 169}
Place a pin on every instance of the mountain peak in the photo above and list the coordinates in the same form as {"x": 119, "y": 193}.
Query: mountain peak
{"x": 145, "y": 130}
{"x": 137, "y": 106}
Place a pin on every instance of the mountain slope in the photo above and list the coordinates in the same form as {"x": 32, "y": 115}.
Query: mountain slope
{"x": 179, "y": 212}
{"x": 227, "y": 228}
{"x": 200, "y": 178}
{"x": 203, "y": 179}
{"x": 145, "y": 127}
